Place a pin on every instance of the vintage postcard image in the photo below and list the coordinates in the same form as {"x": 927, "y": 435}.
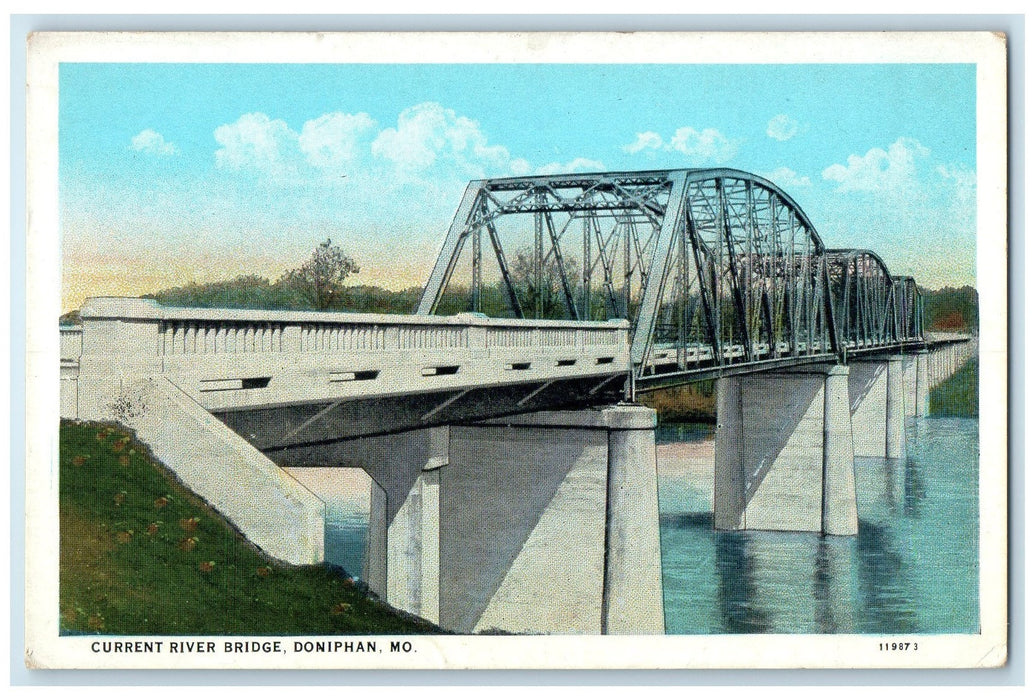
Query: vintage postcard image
{"x": 516, "y": 350}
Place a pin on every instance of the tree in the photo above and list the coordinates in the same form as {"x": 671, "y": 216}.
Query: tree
{"x": 522, "y": 276}
{"x": 319, "y": 281}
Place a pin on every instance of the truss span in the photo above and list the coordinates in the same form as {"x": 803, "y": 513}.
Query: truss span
{"x": 872, "y": 308}
{"x": 713, "y": 268}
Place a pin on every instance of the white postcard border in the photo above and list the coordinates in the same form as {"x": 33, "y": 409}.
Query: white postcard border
{"x": 46, "y": 649}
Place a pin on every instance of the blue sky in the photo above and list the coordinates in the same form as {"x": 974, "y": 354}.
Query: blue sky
{"x": 171, "y": 173}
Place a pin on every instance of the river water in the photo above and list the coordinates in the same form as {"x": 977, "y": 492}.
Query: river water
{"x": 912, "y": 568}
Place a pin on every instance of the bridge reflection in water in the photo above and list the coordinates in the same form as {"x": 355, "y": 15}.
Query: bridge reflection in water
{"x": 912, "y": 568}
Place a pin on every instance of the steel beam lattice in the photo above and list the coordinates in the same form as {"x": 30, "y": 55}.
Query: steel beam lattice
{"x": 715, "y": 269}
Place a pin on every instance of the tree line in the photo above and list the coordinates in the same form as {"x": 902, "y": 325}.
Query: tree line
{"x": 320, "y": 284}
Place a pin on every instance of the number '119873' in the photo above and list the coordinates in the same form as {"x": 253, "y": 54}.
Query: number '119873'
{"x": 898, "y": 646}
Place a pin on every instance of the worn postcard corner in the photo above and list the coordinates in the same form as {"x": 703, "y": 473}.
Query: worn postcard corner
{"x": 591, "y": 351}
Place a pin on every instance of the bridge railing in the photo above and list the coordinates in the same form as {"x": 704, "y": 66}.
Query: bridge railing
{"x": 71, "y": 343}
{"x": 118, "y": 327}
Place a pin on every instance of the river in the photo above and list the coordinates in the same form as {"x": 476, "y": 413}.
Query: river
{"x": 912, "y": 568}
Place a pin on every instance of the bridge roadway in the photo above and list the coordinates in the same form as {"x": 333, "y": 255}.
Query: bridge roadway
{"x": 283, "y": 379}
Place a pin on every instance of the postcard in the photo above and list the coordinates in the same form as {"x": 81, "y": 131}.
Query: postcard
{"x": 516, "y": 350}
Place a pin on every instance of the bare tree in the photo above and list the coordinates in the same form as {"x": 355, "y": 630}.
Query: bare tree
{"x": 319, "y": 281}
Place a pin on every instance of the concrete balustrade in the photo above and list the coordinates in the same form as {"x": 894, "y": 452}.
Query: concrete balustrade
{"x": 233, "y": 359}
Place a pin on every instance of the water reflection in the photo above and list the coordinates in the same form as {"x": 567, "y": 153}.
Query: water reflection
{"x": 913, "y": 567}
{"x": 914, "y": 490}
{"x": 832, "y": 584}
{"x": 885, "y": 602}
{"x": 738, "y": 593}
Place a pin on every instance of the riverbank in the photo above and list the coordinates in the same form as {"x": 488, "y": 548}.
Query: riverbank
{"x": 141, "y": 554}
{"x": 695, "y": 403}
{"x": 691, "y": 403}
{"x": 957, "y": 395}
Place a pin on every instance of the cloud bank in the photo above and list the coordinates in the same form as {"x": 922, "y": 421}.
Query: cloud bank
{"x": 428, "y": 142}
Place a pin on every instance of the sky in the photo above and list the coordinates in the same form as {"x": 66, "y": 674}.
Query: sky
{"x": 177, "y": 173}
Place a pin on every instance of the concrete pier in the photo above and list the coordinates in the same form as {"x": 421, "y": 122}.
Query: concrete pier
{"x": 402, "y": 549}
{"x": 909, "y": 374}
{"x": 783, "y": 452}
{"x": 578, "y": 552}
{"x": 632, "y": 590}
{"x": 923, "y": 384}
{"x": 587, "y": 521}
{"x": 878, "y": 409}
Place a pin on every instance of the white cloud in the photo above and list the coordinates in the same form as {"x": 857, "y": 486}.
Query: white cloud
{"x": 645, "y": 139}
{"x": 150, "y": 141}
{"x": 893, "y": 197}
{"x": 257, "y": 142}
{"x": 333, "y": 140}
{"x": 964, "y": 179}
{"x": 520, "y": 166}
{"x": 705, "y": 146}
{"x": 893, "y": 170}
{"x": 575, "y": 165}
{"x": 787, "y": 179}
{"x": 782, "y": 127}
{"x": 430, "y": 147}
{"x": 429, "y": 134}
{"x": 962, "y": 196}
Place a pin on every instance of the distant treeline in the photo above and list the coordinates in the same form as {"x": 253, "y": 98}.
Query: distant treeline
{"x": 947, "y": 309}
{"x": 951, "y": 309}
{"x": 255, "y": 292}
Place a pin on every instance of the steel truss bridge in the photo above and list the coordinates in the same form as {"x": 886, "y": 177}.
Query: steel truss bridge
{"x": 718, "y": 271}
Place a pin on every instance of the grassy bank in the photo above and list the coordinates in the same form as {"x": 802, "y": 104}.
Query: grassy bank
{"x": 958, "y": 395}
{"x": 141, "y": 554}
{"x": 692, "y": 403}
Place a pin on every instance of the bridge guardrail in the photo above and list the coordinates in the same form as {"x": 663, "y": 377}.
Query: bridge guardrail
{"x": 142, "y": 327}
{"x": 71, "y": 346}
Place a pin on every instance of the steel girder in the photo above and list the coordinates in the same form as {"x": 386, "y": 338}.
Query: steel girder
{"x": 712, "y": 267}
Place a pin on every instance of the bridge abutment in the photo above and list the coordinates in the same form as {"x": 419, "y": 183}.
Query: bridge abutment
{"x": 783, "y": 452}
{"x": 271, "y": 508}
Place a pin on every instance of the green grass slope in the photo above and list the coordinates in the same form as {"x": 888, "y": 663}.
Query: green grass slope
{"x": 957, "y": 395}
{"x": 141, "y": 554}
